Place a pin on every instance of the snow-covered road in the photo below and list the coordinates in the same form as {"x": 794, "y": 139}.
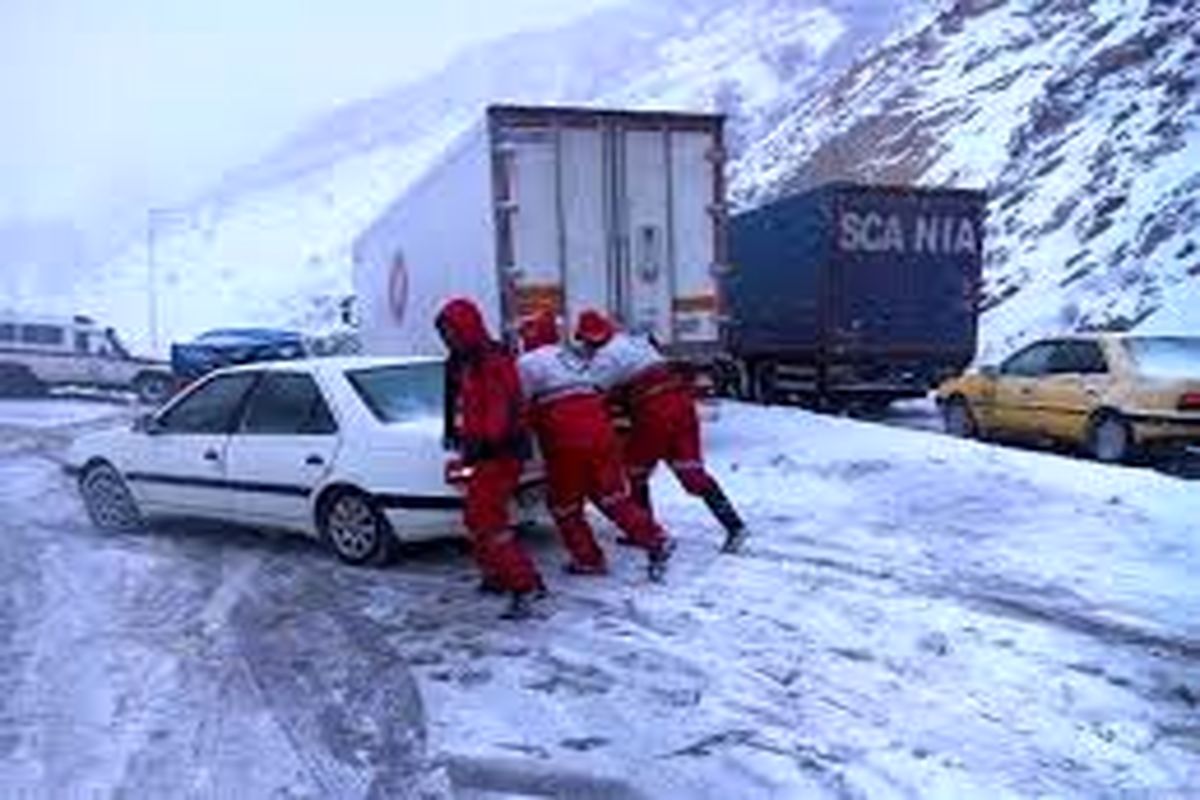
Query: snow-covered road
{"x": 916, "y": 616}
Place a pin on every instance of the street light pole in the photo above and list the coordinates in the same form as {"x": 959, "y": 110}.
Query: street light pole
{"x": 152, "y": 278}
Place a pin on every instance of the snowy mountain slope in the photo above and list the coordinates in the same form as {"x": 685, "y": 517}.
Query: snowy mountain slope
{"x": 270, "y": 244}
{"x": 1079, "y": 118}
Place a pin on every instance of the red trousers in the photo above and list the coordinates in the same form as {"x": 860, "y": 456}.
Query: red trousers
{"x": 594, "y": 472}
{"x": 666, "y": 428}
{"x": 500, "y": 557}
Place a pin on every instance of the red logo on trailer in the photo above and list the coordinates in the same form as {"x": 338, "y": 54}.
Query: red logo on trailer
{"x": 398, "y": 288}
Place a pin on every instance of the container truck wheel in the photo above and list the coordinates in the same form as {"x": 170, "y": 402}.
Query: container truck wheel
{"x": 764, "y": 386}
{"x": 741, "y": 382}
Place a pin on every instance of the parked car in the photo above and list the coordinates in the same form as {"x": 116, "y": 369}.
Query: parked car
{"x": 228, "y": 347}
{"x": 349, "y": 450}
{"x": 37, "y": 353}
{"x": 1112, "y": 395}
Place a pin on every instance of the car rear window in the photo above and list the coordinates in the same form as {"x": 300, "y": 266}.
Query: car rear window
{"x": 1170, "y": 357}
{"x": 402, "y": 393}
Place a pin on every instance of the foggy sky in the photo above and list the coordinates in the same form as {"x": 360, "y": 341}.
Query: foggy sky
{"x": 106, "y": 104}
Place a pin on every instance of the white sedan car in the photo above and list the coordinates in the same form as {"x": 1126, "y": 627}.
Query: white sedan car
{"x": 348, "y": 450}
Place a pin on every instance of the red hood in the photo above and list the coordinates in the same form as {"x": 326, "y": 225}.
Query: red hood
{"x": 539, "y": 330}
{"x": 594, "y": 328}
{"x": 461, "y": 324}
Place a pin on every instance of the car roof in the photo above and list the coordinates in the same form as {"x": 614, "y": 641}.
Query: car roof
{"x": 249, "y": 333}
{"x": 17, "y": 318}
{"x": 334, "y": 364}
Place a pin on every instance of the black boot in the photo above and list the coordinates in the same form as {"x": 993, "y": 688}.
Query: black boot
{"x": 489, "y": 586}
{"x": 520, "y": 606}
{"x": 727, "y": 515}
{"x": 641, "y": 495}
{"x": 657, "y": 559}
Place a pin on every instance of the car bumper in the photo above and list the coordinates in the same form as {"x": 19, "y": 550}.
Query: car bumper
{"x": 428, "y": 517}
{"x": 1166, "y": 430}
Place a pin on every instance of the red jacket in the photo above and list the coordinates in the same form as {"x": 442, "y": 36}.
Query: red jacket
{"x": 488, "y": 390}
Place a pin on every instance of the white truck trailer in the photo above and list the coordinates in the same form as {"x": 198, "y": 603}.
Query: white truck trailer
{"x": 561, "y": 209}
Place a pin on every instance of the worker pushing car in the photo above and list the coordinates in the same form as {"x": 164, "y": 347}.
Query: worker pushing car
{"x": 665, "y": 426}
{"x": 493, "y": 442}
{"x": 583, "y": 461}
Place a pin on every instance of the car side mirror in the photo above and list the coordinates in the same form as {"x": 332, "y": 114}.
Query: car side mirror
{"x": 147, "y": 424}
{"x": 990, "y": 371}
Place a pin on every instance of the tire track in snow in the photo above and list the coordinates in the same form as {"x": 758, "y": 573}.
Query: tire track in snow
{"x": 350, "y": 708}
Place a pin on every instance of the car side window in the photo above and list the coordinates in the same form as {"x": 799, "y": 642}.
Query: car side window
{"x": 8, "y": 332}
{"x": 1030, "y": 362}
{"x": 49, "y": 335}
{"x": 1078, "y": 358}
{"x": 399, "y": 394}
{"x": 288, "y": 403}
{"x": 212, "y": 408}
{"x": 83, "y": 344}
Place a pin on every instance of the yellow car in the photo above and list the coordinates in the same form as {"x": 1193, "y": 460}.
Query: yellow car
{"x": 1115, "y": 396}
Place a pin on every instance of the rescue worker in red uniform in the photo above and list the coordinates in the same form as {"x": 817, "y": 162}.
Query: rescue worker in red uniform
{"x": 493, "y": 443}
{"x": 579, "y": 445}
{"x": 665, "y": 425}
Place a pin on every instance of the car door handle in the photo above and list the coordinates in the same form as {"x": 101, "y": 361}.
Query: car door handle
{"x": 211, "y": 455}
{"x": 314, "y": 461}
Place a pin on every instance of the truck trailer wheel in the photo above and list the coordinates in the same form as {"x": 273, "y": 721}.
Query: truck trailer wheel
{"x": 764, "y": 386}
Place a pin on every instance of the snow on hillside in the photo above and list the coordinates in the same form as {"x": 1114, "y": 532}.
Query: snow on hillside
{"x": 270, "y": 244}
{"x": 276, "y": 255}
{"x": 1079, "y": 118}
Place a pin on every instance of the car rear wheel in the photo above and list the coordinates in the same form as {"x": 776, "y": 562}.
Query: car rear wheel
{"x": 958, "y": 420}
{"x": 109, "y": 503}
{"x": 17, "y": 380}
{"x": 1111, "y": 439}
{"x": 152, "y": 389}
{"x": 356, "y": 529}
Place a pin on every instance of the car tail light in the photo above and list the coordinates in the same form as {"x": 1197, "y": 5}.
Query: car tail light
{"x": 1190, "y": 402}
{"x": 458, "y": 472}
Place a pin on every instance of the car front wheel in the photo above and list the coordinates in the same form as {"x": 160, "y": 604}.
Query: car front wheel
{"x": 109, "y": 503}
{"x": 958, "y": 419}
{"x": 1111, "y": 440}
{"x": 18, "y": 381}
{"x": 356, "y": 529}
